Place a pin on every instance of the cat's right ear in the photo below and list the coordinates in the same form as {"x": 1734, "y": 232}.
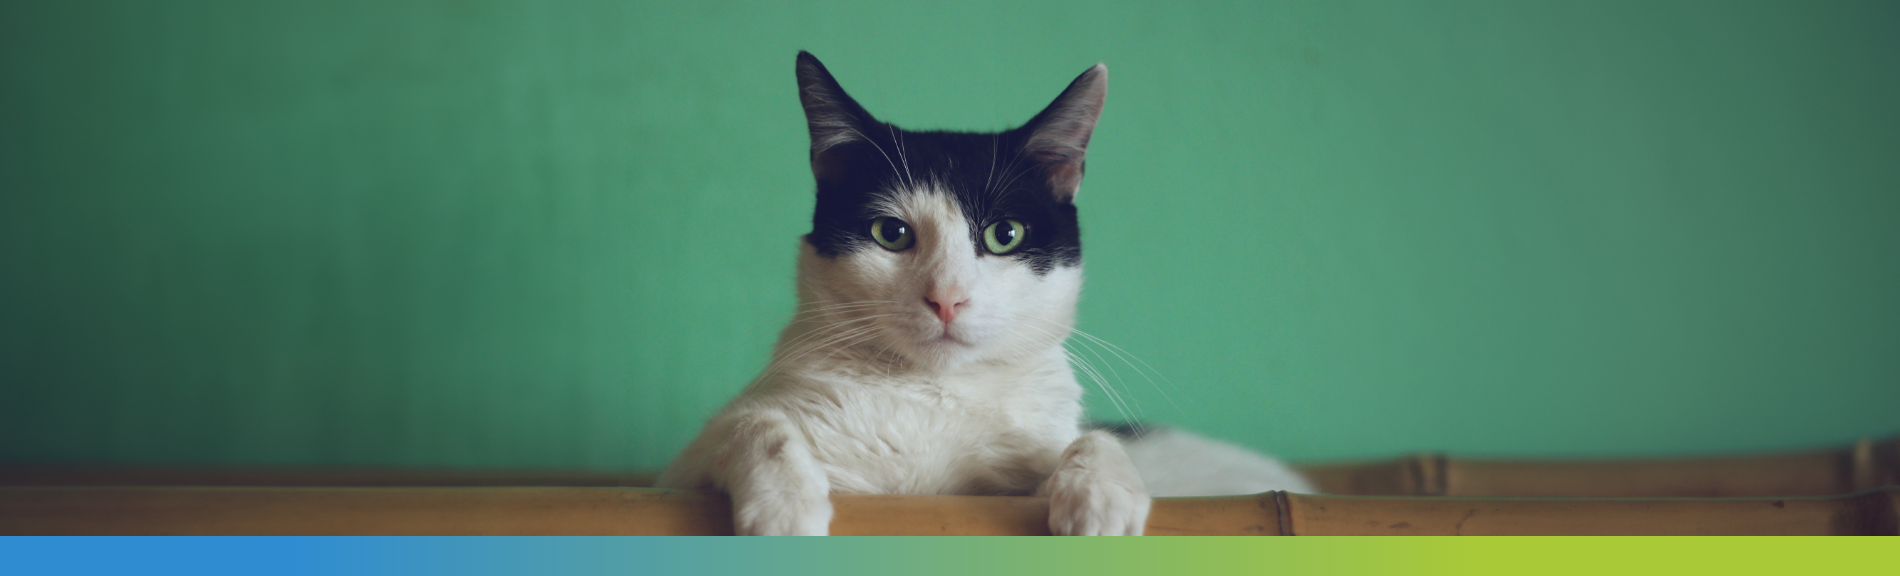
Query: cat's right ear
{"x": 1059, "y": 136}
{"x": 832, "y": 116}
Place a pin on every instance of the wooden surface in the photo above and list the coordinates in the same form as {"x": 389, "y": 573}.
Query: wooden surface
{"x": 1864, "y": 465}
{"x": 647, "y": 511}
{"x": 1866, "y": 513}
{"x": 1822, "y": 492}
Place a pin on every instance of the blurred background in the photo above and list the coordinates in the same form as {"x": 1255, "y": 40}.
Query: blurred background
{"x": 527, "y": 234}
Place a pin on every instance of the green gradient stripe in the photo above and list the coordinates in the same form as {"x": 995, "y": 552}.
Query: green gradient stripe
{"x": 954, "y": 556}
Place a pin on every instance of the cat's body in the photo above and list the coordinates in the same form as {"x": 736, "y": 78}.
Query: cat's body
{"x": 935, "y": 291}
{"x": 878, "y": 425}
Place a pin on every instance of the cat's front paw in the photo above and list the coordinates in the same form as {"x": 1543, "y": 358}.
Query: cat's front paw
{"x": 1096, "y": 491}
{"x": 782, "y": 516}
{"x": 1082, "y": 503}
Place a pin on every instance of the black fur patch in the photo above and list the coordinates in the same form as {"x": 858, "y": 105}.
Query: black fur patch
{"x": 989, "y": 176}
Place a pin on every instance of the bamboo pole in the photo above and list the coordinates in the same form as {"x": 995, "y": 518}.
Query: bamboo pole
{"x": 1866, "y": 513}
{"x": 646, "y": 511}
{"x": 1866, "y": 464}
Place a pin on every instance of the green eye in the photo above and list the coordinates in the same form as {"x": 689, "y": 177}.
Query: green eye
{"x": 892, "y": 233}
{"x": 1005, "y": 236}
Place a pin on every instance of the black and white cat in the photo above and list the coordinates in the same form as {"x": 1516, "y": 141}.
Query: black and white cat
{"x": 935, "y": 290}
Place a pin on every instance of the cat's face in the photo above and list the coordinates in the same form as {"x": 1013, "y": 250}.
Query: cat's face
{"x": 941, "y": 247}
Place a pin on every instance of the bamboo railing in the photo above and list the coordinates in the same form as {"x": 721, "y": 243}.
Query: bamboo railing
{"x": 1832, "y": 492}
{"x": 1864, "y": 465}
{"x": 649, "y": 511}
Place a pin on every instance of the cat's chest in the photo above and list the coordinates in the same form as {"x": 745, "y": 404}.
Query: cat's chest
{"x": 936, "y": 439}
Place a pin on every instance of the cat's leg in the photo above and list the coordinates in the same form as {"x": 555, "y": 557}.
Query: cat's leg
{"x": 777, "y": 488}
{"x": 1095, "y": 490}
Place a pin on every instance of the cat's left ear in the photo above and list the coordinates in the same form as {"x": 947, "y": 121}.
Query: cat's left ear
{"x": 1059, "y": 136}
{"x": 832, "y": 116}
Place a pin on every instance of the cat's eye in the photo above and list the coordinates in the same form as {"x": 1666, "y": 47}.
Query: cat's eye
{"x": 892, "y": 233}
{"x": 1004, "y": 236}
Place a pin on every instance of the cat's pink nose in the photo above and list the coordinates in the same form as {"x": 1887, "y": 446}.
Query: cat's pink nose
{"x": 946, "y": 303}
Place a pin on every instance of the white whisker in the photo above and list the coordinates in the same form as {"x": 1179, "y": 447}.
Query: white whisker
{"x": 1108, "y": 391}
{"x": 880, "y": 149}
{"x": 1118, "y": 351}
{"x": 901, "y": 157}
{"x": 1094, "y": 374}
{"x": 818, "y": 338}
{"x": 846, "y": 335}
{"x": 1141, "y": 367}
{"x": 995, "y": 141}
{"x": 1114, "y": 373}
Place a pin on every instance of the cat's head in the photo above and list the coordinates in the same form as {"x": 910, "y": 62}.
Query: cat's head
{"x": 945, "y": 247}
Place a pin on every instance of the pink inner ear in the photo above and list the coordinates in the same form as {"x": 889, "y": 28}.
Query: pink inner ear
{"x": 826, "y": 165}
{"x": 1062, "y": 168}
{"x": 1063, "y": 172}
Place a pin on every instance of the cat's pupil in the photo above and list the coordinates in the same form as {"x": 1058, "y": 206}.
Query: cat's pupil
{"x": 1005, "y": 235}
{"x": 893, "y": 230}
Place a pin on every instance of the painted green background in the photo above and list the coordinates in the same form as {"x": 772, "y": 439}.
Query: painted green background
{"x": 561, "y": 234}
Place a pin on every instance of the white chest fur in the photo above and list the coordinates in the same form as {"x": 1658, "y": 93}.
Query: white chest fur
{"x": 985, "y": 429}
{"x": 993, "y": 429}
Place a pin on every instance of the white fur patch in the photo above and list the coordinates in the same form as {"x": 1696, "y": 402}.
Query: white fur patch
{"x": 1177, "y": 463}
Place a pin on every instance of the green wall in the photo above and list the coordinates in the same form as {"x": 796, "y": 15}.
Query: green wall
{"x": 561, "y": 234}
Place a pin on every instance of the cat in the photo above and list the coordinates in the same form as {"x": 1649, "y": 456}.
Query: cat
{"x": 935, "y": 290}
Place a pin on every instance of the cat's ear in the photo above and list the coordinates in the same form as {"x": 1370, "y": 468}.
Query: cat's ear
{"x": 832, "y": 116}
{"x": 1059, "y": 136}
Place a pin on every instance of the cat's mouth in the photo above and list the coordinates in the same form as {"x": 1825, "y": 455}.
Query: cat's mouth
{"x": 946, "y": 337}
